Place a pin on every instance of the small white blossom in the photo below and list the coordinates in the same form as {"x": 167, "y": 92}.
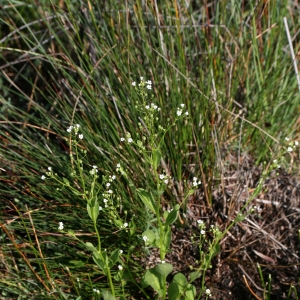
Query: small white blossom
{"x": 125, "y": 225}
{"x": 134, "y": 83}
{"x": 182, "y": 105}
{"x": 287, "y": 139}
{"x": 145, "y": 239}
{"x": 147, "y": 106}
{"x": 118, "y": 166}
{"x": 200, "y": 222}
{"x": 110, "y": 191}
{"x": 161, "y": 176}
{"x": 122, "y": 139}
{"x": 179, "y": 112}
{"x": 105, "y": 200}
{"x": 100, "y": 208}
{"x": 148, "y": 86}
{"x": 141, "y": 78}
{"x": 289, "y": 149}
{"x": 208, "y": 292}
{"x": 70, "y": 129}
{"x": 187, "y": 113}
{"x": 121, "y": 251}
{"x": 49, "y": 168}
{"x": 166, "y": 181}
{"x": 202, "y": 232}
{"x": 61, "y": 226}
{"x": 108, "y": 184}
{"x": 296, "y": 143}
{"x": 163, "y": 261}
{"x": 149, "y": 82}
{"x": 120, "y": 267}
{"x": 113, "y": 177}
{"x": 43, "y": 177}
{"x": 80, "y": 136}
{"x": 130, "y": 140}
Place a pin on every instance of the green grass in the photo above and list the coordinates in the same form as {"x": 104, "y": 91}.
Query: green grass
{"x": 66, "y": 63}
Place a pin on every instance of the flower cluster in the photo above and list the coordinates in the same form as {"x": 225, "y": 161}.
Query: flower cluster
{"x": 292, "y": 145}
{"x": 196, "y": 182}
{"x": 61, "y": 226}
{"x": 164, "y": 178}
{"x": 180, "y": 111}
{"x": 49, "y": 173}
{"x": 94, "y": 170}
{"x": 143, "y": 83}
{"x": 75, "y": 130}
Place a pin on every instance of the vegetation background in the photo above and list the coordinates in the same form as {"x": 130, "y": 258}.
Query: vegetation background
{"x": 69, "y": 62}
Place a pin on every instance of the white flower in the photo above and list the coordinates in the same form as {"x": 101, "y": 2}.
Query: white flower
{"x": 147, "y": 106}
{"x": 120, "y": 267}
{"x": 61, "y": 226}
{"x": 105, "y": 200}
{"x": 163, "y": 261}
{"x": 161, "y": 176}
{"x": 200, "y": 222}
{"x": 70, "y": 129}
{"x": 134, "y": 83}
{"x": 148, "y": 86}
{"x": 80, "y": 136}
{"x": 125, "y": 225}
{"x": 122, "y": 139}
{"x": 145, "y": 239}
{"x": 49, "y": 168}
{"x": 287, "y": 139}
{"x": 77, "y": 125}
{"x": 296, "y": 143}
{"x": 187, "y": 113}
{"x": 179, "y": 112}
{"x": 182, "y": 105}
{"x": 100, "y": 208}
{"x": 207, "y": 292}
{"x": 202, "y": 232}
{"x": 148, "y": 82}
{"x": 141, "y": 78}
{"x": 289, "y": 149}
{"x": 121, "y": 251}
{"x": 155, "y": 106}
{"x": 118, "y": 166}
{"x": 166, "y": 181}
{"x": 110, "y": 191}
{"x": 130, "y": 140}
{"x": 96, "y": 291}
{"x": 43, "y": 177}
{"x": 108, "y": 184}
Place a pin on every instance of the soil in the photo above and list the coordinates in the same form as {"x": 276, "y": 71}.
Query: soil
{"x": 268, "y": 236}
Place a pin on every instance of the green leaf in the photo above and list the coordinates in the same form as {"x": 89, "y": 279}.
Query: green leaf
{"x": 155, "y": 280}
{"x": 150, "y": 236}
{"x": 177, "y": 286}
{"x": 181, "y": 280}
{"x": 173, "y": 291}
{"x": 113, "y": 258}
{"x": 216, "y": 250}
{"x": 99, "y": 262}
{"x": 93, "y": 211}
{"x": 172, "y": 215}
{"x": 90, "y": 247}
{"x": 194, "y": 275}
{"x": 147, "y": 198}
{"x": 190, "y": 292}
{"x": 107, "y": 295}
{"x": 156, "y": 156}
{"x": 164, "y": 269}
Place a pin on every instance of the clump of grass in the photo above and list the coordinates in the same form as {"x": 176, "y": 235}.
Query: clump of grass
{"x": 72, "y": 64}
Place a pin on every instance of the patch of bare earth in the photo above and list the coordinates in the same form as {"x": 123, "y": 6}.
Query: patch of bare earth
{"x": 268, "y": 236}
